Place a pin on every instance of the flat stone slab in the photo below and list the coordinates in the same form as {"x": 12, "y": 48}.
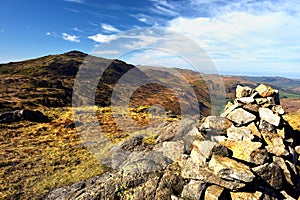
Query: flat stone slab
{"x": 241, "y": 116}
{"x": 268, "y": 115}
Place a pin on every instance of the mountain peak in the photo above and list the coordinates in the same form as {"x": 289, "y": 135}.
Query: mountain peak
{"x": 75, "y": 53}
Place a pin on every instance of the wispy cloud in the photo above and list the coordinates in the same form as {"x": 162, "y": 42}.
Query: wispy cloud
{"x": 105, "y": 52}
{"x": 77, "y": 29}
{"x": 109, "y": 28}
{"x": 48, "y": 33}
{"x": 102, "y": 38}
{"x": 71, "y": 38}
{"x": 76, "y": 1}
{"x": 72, "y": 10}
{"x": 164, "y": 11}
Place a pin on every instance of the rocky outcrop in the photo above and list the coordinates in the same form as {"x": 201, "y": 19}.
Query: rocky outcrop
{"x": 249, "y": 152}
{"x": 19, "y": 115}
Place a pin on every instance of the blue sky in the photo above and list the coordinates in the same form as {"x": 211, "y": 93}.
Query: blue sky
{"x": 247, "y": 37}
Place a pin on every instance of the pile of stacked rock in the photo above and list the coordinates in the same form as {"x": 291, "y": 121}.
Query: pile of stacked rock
{"x": 250, "y": 152}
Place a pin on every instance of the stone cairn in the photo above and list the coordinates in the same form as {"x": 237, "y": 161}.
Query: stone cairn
{"x": 249, "y": 153}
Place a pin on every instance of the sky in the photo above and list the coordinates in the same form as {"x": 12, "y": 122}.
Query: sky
{"x": 241, "y": 37}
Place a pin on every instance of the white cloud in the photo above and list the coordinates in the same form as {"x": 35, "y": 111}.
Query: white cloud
{"x": 102, "y": 38}
{"x": 242, "y": 38}
{"x": 71, "y": 38}
{"x": 155, "y": 57}
{"x": 48, "y": 33}
{"x": 109, "y": 28}
{"x": 106, "y": 52}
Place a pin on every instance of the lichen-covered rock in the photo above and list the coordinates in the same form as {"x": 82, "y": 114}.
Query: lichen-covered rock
{"x": 192, "y": 170}
{"x": 239, "y": 133}
{"x": 251, "y": 107}
{"x": 214, "y": 192}
{"x": 265, "y": 126}
{"x": 267, "y": 115}
{"x": 264, "y": 90}
{"x": 202, "y": 150}
{"x": 280, "y": 162}
{"x": 173, "y": 149}
{"x": 254, "y": 130}
{"x": 241, "y": 117}
{"x": 243, "y": 91}
{"x": 193, "y": 190}
{"x": 215, "y": 124}
{"x": 278, "y": 150}
{"x": 270, "y": 173}
{"x": 244, "y": 150}
{"x": 245, "y": 100}
{"x": 230, "y": 169}
{"x": 246, "y": 195}
{"x": 229, "y": 109}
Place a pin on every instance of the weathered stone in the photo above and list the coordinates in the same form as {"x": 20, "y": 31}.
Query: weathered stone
{"x": 278, "y": 109}
{"x": 170, "y": 183}
{"x": 214, "y": 192}
{"x": 142, "y": 162}
{"x": 272, "y": 138}
{"x": 121, "y": 151}
{"x": 176, "y": 130}
{"x": 286, "y": 196}
{"x": 278, "y": 150}
{"x": 251, "y": 107}
{"x": 218, "y": 138}
{"x": 173, "y": 149}
{"x": 267, "y": 115}
{"x": 215, "y": 124}
{"x": 280, "y": 162}
{"x": 204, "y": 148}
{"x": 191, "y": 136}
{"x": 259, "y": 156}
{"x": 297, "y": 149}
{"x": 209, "y": 176}
{"x": 243, "y": 91}
{"x": 239, "y": 133}
{"x": 246, "y": 195}
{"x": 281, "y": 132}
{"x": 18, "y": 115}
{"x": 245, "y": 100}
{"x": 265, "y": 126}
{"x": 275, "y": 144}
{"x": 229, "y": 109}
{"x": 221, "y": 150}
{"x": 243, "y": 150}
{"x": 254, "y": 130}
{"x": 241, "y": 116}
{"x": 230, "y": 169}
{"x": 270, "y": 173}
{"x": 261, "y": 101}
{"x": 264, "y": 90}
{"x": 193, "y": 190}
{"x": 191, "y": 170}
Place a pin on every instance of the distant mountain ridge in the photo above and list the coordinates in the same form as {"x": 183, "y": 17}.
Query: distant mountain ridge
{"x": 48, "y": 81}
